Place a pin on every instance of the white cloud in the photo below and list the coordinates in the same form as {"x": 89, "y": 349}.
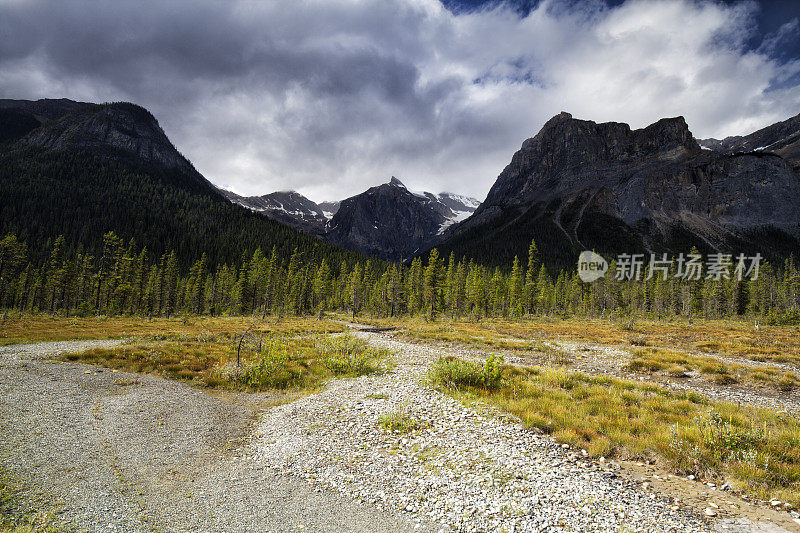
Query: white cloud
{"x": 331, "y": 97}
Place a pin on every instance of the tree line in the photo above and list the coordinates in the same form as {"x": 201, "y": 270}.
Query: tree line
{"x": 125, "y": 279}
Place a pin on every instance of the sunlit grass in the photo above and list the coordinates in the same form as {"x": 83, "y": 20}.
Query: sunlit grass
{"x": 757, "y": 450}
{"x": 680, "y": 364}
{"x": 34, "y": 328}
{"x": 730, "y": 338}
{"x": 277, "y": 362}
{"x": 399, "y": 422}
{"x": 16, "y": 516}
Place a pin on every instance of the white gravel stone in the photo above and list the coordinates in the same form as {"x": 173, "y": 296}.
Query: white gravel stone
{"x": 468, "y": 468}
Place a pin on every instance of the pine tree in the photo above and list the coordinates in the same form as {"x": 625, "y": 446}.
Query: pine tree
{"x": 432, "y": 285}
{"x": 171, "y": 281}
{"x": 531, "y": 273}
{"x": 543, "y": 291}
{"x": 12, "y": 261}
{"x": 322, "y": 285}
{"x": 355, "y": 289}
{"x": 516, "y": 285}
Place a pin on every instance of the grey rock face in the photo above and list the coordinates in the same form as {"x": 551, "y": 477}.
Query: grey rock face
{"x": 394, "y": 223}
{"x": 781, "y": 138}
{"x": 124, "y": 127}
{"x": 329, "y": 208}
{"x": 117, "y": 131}
{"x": 288, "y": 207}
{"x": 582, "y": 185}
{"x": 388, "y": 220}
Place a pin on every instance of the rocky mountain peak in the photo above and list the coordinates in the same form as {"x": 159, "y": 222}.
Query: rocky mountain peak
{"x": 122, "y": 126}
{"x": 396, "y": 182}
{"x": 781, "y": 138}
{"x": 579, "y": 185}
{"x": 547, "y": 161}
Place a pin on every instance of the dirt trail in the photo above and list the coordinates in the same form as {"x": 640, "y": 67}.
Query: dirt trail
{"x": 113, "y": 451}
{"x": 736, "y": 514}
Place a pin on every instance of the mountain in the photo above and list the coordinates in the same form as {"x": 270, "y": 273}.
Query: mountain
{"x": 781, "y": 138}
{"x": 392, "y": 222}
{"x": 329, "y": 208}
{"x": 388, "y": 220}
{"x": 582, "y": 185}
{"x": 81, "y": 170}
{"x": 288, "y": 207}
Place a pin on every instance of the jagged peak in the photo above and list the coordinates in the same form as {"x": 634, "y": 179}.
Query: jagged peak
{"x": 671, "y": 130}
{"x": 396, "y": 182}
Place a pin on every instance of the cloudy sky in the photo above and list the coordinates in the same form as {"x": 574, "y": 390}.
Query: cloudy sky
{"x": 329, "y": 97}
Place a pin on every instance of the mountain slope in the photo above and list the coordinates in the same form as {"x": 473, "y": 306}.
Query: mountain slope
{"x": 288, "y": 207}
{"x": 85, "y": 169}
{"x": 387, "y": 220}
{"x": 582, "y": 185}
{"x": 781, "y": 138}
{"x": 394, "y": 223}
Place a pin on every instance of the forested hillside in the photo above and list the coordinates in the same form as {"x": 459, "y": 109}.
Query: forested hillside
{"x": 80, "y": 170}
{"x": 82, "y": 196}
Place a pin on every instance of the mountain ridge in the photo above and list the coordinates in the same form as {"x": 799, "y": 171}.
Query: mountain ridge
{"x": 578, "y": 185}
{"x": 387, "y": 220}
{"x": 81, "y": 170}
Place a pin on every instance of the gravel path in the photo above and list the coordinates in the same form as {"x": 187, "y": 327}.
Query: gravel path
{"x": 466, "y": 469}
{"x": 112, "y": 451}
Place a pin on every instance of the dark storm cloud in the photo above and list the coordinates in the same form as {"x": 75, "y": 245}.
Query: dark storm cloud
{"x": 330, "y": 97}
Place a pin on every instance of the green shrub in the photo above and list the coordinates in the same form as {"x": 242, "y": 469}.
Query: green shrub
{"x": 453, "y": 372}
{"x": 399, "y": 422}
{"x": 272, "y": 368}
{"x": 712, "y": 441}
{"x": 350, "y": 356}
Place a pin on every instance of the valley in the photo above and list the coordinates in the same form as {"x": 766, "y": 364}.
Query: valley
{"x": 397, "y": 359}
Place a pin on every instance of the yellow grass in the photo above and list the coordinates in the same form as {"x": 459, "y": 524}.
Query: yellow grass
{"x": 734, "y": 338}
{"x": 275, "y": 362}
{"x": 756, "y": 450}
{"x": 680, "y": 364}
{"x": 49, "y": 328}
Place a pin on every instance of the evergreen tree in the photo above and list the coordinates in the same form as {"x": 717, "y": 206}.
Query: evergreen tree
{"x": 432, "y": 285}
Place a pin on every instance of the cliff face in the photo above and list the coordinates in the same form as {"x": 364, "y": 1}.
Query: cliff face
{"x": 125, "y": 127}
{"x": 394, "y": 223}
{"x": 119, "y": 131}
{"x": 582, "y": 185}
{"x": 567, "y": 153}
{"x": 781, "y": 138}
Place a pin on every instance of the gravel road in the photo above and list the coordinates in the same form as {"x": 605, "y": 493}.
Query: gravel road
{"x": 112, "y": 451}
{"x": 466, "y": 469}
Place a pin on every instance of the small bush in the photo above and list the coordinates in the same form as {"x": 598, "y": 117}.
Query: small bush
{"x": 271, "y": 369}
{"x": 725, "y": 379}
{"x": 712, "y": 441}
{"x": 400, "y": 422}
{"x": 454, "y": 373}
{"x": 350, "y": 356}
{"x": 644, "y": 365}
{"x": 790, "y": 318}
{"x": 788, "y": 382}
